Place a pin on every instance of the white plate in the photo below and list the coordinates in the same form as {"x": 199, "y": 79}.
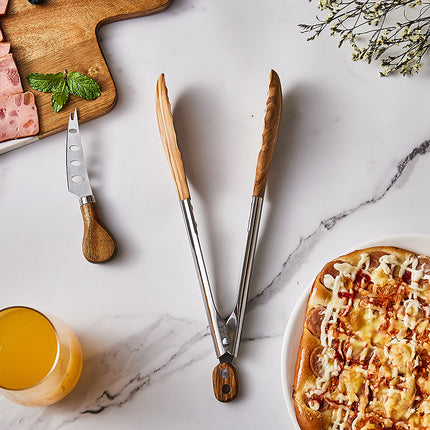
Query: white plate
{"x": 418, "y": 243}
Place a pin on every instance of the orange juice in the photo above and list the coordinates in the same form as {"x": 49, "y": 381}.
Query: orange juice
{"x": 28, "y": 347}
{"x": 40, "y": 357}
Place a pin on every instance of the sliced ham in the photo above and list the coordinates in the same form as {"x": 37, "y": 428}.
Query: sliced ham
{"x": 18, "y": 116}
{"x": 10, "y": 82}
{"x": 4, "y": 48}
{"x": 3, "y": 6}
{"x": 1, "y": 36}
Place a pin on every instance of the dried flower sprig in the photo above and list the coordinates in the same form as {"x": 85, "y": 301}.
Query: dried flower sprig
{"x": 395, "y": 31}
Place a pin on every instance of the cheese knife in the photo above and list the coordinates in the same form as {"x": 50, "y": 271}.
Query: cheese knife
{"x": 98, "y": 244}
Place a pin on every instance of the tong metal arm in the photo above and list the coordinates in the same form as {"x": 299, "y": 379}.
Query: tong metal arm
{"x": 226, "y": 333}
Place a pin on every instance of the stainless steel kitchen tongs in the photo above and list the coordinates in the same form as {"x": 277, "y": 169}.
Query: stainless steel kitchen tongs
{"x": 225, "y": 333}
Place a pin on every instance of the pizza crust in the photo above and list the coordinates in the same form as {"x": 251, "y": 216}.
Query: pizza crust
{"x": 319, "y": 417}
{"x": 307, "y": 418}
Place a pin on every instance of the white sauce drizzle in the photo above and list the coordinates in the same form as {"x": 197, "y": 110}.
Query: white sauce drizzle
{"x": 327, "y": 358}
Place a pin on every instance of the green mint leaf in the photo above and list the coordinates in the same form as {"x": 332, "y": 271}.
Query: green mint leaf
{"x": 59, "y": 97}
{"x": 82, "y": 86}
{"x": 61, "y": 85}
{"x": 45, "y": 83}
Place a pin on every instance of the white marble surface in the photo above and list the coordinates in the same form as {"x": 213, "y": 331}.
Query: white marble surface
{"x": 352, "y": 163}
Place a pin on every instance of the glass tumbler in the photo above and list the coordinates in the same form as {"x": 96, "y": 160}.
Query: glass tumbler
{"x": 40, "y": 357}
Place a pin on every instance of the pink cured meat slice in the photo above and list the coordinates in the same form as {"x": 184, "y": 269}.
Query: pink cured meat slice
{"x": 4, "y": 48}
{"x": 3, "y": 6}
{"x": 10, "y": 82}
{"x": 18, "y": 116}
{"x": 1, "y": 36}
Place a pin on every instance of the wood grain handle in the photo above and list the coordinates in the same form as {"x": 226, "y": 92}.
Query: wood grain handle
{"x": 168, "y": 137}
{"x": 272, "y": 120}
{"x": 225, "y": 382}
{"x": 98, "y": 245}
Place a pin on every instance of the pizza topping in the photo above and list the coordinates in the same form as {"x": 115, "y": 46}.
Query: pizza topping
{"x": 328, "y": 281}
{"x": 315, "y": 362}
{"x": 329, "y": 269}
{"x": 373, "y": 366}
{"x": 351, "y": 383}
{"x": 413, "y": 313}
{"x": 374, "y": 258}
{"x": 314, "y": 320}
{"x": 424, "y": 263}
{"x": 314, "y": 404}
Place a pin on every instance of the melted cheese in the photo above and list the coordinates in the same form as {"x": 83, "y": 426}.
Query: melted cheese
{"x": 401, "y": 354}
{"x": 373, "y": 321}
{"x": 380, "y": 277}
{"x": 412, "y": 313}
{"x": 379, "y": 336}
{"x": 424, "y": 385}
{"x": 352, "y": 379}
{"x": 398, "y": 401}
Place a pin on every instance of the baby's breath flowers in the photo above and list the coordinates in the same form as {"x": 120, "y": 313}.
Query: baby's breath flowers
{"x": 394, "y": 31}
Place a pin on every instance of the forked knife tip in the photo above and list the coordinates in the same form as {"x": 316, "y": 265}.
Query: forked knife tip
{"x": 73, "y": 119}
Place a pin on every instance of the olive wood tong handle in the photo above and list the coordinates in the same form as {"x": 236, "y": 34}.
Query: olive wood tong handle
{"x": 272, "y": 120}
{"x": 168, "y": 137}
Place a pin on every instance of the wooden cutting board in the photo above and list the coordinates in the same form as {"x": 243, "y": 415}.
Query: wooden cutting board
{"x": 59, "y": 35}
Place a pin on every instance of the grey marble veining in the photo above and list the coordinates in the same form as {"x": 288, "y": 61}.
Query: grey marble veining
{"x": 308, "y": 241}
{"x": 114, "y": 377}
{"x": 148, "y": 356}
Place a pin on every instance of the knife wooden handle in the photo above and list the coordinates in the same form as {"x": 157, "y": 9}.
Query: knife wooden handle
{"x": 272, "y": 119}
{"x": 98, "y": 244}
{"x": 225, "y": 382}
{"x": 168, "y": 137}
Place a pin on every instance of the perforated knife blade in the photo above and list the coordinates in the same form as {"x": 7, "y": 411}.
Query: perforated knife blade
{"x": 98, "y": 244}
{"x": 78, "y": 182}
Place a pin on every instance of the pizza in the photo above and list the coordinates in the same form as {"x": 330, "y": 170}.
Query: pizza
{"x": 364, "y": 355}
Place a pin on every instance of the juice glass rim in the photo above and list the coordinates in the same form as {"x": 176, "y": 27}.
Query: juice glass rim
{"x": 54, "y": 364}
